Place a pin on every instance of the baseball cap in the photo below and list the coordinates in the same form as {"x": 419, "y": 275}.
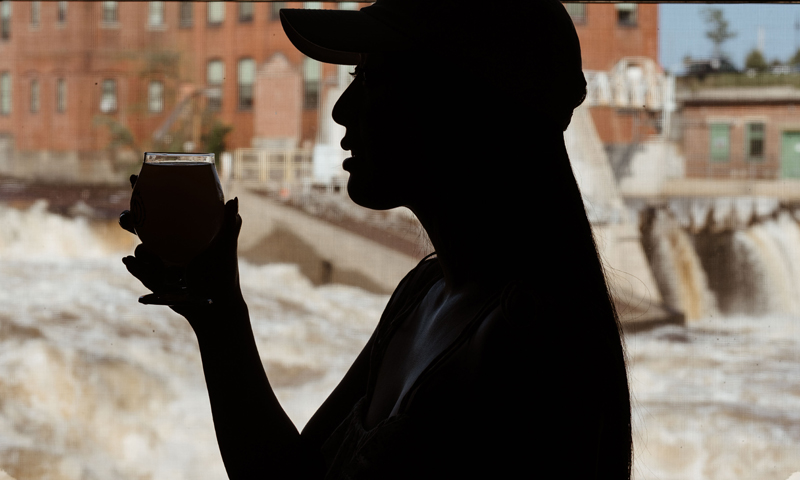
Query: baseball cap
{"x": 339, "y": 36}
{"x": 516, "y": 46}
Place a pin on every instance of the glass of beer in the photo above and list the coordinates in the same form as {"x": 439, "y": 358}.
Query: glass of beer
{"x": 178, "y": 208}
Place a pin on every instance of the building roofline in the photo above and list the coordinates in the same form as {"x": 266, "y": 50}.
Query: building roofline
{"x": 739, "y": 95}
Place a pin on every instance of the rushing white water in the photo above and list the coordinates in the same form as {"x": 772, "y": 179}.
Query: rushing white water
{"x": 675, "y": 263}
{"x": 718, "y": 399}
{"x": 94, "y": 385}
{"x": 771, "y": 250}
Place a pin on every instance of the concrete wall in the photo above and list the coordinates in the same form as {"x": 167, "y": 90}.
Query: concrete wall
{"x": 69, "y": 167}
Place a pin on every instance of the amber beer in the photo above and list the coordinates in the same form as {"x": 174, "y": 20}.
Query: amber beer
{"x": 177, "y": 205}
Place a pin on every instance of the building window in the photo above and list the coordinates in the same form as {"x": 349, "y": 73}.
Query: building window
{"x": 61, "y": 95}
{"x": 5, "y": 93}
{"x": 720, "y": 142}
{"x": 62, "y": 12}
{"x": 247, "y": 78}
{"x": 311, "y": 76}
{"x": 577, "y": 11}
{"x": 754, "y": 141}
{"x": 108, "y": 99}
{"x": 246, "y": 10}
{"x": 5, "y": 20}
{"x": 155, "y": 97}
{"x": 155, "y": 16}
{"x": 275, "y": 10}
{"x": 186, "y": 14}
{"x": 626, "y": 14}
{"x": 109, "y": 12}
{"x": 215, "y": 74}
{"x": 36, "y": 10}
{"x": 312, "y": 5}
{"x": 348, "y": 6}
{"x": 216, "y": 12}
{"x": 34, "y": 96}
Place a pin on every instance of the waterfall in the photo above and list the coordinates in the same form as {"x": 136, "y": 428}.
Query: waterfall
{"x": 727, "y": 255}
{"x": 677, "y": 267}
{"x": 770, "y": 253}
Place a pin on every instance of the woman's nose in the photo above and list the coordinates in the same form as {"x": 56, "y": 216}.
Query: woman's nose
{"x": 345, "y": 108}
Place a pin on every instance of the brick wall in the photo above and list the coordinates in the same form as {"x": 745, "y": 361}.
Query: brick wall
{"x": 696, "y": 142}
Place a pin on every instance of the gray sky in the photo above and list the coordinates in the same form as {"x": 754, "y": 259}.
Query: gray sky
{"x": 682, "y": 32}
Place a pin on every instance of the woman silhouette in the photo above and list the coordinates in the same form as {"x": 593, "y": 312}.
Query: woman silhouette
{"x": 499, "y": 356}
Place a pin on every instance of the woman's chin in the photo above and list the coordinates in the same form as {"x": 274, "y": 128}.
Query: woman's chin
{"x": 368, "y": 196}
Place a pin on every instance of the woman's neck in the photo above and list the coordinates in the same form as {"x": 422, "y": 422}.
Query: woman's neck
{"x": 466, "y": 248}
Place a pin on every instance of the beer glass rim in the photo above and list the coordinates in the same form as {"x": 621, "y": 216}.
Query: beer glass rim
{"x": 174, "y": 157}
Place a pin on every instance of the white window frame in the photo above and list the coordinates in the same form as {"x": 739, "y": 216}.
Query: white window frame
{"x": 109, "y": 14}
{"x": 183, "y": 21}
{"x": 61, "y": 95}
{"x": 634, "y": 12}
{"x": 215, "y": 13}
{"x": 61, "y": 13}
{"x": 6, "y": 99}
{"x": 215, "y": 84}
{"x": 252, "y": 16}
{"x": 108, "y": 99}
{"x": 36, "y": 14}
{"x": 155, "y": 15}
{"x": 274, "y": 10}
{"x": 5, "y": 19}
{"x": 155, "y": 96}
{"x": 312, "y": 79}
{"x": 35, "y": 96}
{"x": 246, "y": 72}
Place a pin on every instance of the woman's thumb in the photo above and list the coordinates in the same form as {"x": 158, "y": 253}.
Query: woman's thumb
{"x": 233, "y": 222}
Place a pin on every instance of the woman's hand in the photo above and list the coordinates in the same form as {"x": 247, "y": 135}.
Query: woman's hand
{"x": 214, "y": 274}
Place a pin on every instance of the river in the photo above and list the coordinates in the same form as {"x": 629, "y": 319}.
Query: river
{"x": 97, "y": 386}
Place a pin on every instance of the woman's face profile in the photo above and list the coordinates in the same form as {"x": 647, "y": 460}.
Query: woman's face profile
{"x": 384, "y": 111}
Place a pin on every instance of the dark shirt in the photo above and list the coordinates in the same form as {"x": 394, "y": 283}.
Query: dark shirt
{"x": 466, "y": 415}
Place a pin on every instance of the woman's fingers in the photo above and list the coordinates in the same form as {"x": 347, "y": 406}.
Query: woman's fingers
{"x": 232, "y": 219}
{"x": 126, "y": 221}
{"x": 143, "y": 254}
{"x": 147, "y": 275}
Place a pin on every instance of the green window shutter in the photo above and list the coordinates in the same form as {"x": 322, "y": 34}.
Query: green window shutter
{"x": 720, "y": 142}
{"x": 754, "y": 142}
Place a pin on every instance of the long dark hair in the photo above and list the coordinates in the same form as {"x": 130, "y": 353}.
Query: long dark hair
{"x": 508, "y": 160}
{"x": 508, "y": 93}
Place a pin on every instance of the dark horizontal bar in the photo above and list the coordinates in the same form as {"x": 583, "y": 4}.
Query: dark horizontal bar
{"x": 499, "y": 2}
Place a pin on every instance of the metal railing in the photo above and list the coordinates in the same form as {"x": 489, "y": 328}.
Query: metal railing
{"x": 272, "y": 166}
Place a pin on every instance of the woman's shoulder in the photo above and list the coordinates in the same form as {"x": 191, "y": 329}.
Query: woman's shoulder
{"x": 521, "y": 330}
{"x": 427, "y": 270}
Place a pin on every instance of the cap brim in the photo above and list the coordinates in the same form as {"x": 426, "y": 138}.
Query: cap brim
{"x": 339, "y": 36}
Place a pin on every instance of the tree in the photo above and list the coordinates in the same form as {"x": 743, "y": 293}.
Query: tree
{"x": 756, "y": 61}
{"x": 718, "y": 31}
{"x": 215, "y": 139}
{"x": 795, "y": 60}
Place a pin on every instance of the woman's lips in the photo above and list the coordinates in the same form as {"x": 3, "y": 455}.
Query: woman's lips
{"x": 347, "y": 161}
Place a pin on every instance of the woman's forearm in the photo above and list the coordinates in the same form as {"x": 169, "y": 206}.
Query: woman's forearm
{"x": 256, "y": 438}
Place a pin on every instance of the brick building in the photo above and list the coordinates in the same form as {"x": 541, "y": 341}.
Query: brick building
{"x": 75, "y": 76}
{"x": 741, "y": 132}
{"x": 608, "y": 33}
{"x": 78, "y": 78}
